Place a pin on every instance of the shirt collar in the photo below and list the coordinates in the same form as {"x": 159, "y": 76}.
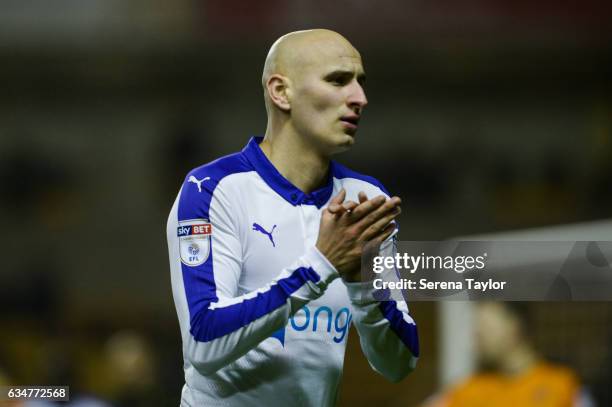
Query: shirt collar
{"x": 280, "y": 184}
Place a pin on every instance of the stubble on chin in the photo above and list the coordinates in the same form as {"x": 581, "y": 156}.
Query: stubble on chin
{"x": 343, "y": 143}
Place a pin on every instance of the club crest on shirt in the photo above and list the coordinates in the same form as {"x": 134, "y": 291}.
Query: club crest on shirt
{"x": 194, "y": 241}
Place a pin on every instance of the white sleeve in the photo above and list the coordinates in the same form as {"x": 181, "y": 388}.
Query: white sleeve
{"x": 217, "y": 325}
{"x": 387, "y": 333}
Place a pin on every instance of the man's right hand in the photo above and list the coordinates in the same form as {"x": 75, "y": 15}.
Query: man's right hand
{"x": 346, "y": 227}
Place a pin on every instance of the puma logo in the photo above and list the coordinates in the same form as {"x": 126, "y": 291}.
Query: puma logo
{"x": 259, "y": 228}
{"x": 198, "y": 182}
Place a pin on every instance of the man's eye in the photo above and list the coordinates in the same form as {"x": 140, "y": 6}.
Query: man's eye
{"x": 339, "y": 81}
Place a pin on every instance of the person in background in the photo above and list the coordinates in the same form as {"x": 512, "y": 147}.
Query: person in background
{"x": 510, "y": 370}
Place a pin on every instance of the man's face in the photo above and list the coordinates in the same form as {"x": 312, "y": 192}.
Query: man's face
{"x": 328, "y": 97}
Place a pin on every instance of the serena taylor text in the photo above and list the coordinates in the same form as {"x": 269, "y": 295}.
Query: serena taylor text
{"x": 424, "y": 284}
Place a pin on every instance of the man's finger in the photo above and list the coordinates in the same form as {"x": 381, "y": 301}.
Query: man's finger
{"x": 350, "y": 205}
{"x": 346, "y": 206}
{"x": 335, "y": 208}
{"x": 335, "y": 204}
{"x": 370, "y": 211}
{"x": 362, "y": 197}
{"x": 388, "y": 209}
{"x": 380, "y": 225}
{"x": 368, "y": 206}
{"x": 339, "y": 198}
{"x": 385, "y": 233}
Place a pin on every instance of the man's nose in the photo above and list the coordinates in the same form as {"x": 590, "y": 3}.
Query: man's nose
{"x": 357, "y": 98}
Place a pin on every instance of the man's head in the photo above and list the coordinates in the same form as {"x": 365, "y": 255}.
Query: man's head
{"x": 501, "y": 327}
{"x": 313, "y": 83}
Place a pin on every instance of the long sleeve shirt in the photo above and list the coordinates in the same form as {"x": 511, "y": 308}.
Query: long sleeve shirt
{"x": 264, "y": 316}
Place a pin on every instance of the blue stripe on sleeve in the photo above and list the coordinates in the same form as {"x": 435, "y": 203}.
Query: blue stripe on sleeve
{"x": 208, "y": 324}
{"x": 194, "y": 203}
{"x": 200, "y": 287}
{"x": 406, "y": 332}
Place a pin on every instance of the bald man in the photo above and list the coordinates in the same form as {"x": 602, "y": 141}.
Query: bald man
{"x": 265, "y": 245}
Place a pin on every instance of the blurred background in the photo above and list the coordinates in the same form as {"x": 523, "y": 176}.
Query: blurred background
{"x": 484, "y": 116}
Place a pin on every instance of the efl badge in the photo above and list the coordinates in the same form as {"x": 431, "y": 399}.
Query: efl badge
{"x": 194, "y": 241}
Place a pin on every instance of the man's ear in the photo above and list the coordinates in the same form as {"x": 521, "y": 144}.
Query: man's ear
{"x": 279, "y": 91}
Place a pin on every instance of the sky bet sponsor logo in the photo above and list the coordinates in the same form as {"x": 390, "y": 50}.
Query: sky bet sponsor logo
{"x": 194, "y": 241}
{"x": 320, "y": 319}
{"x": 191, "y": 230}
